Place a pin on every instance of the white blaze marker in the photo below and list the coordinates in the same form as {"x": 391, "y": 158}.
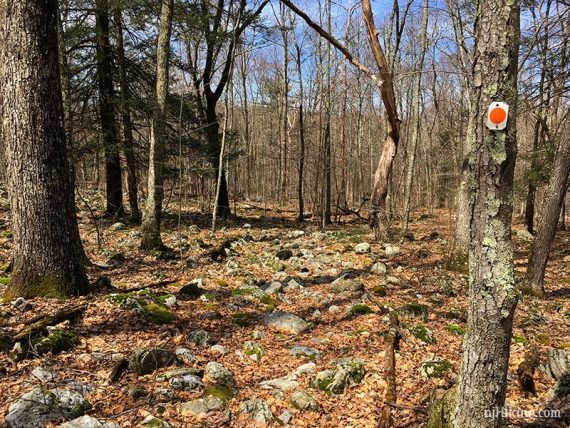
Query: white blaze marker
{"x": 497, "y": 115}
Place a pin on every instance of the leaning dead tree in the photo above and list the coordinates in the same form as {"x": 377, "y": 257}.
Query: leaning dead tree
{"x": 383, "y": 80}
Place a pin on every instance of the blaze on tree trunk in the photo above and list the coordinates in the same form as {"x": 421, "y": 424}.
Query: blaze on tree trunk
{"x": 48, "y": 255}
{"x": 547, "y": 228}
{"x": 153, "y": 209}
{"x": 492, "y": 292}
{"x": 107, "y": 112}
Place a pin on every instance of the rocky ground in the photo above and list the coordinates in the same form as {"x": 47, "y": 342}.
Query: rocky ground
{"x": 281, "y": 326}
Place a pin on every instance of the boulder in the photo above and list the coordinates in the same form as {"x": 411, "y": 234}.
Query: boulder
{"x": 344, "y": 285}
{"x": 287, "y": 322}
{"x": 145, "y": 361}
{"x": 87, "y": 421}
{"x": 201, "y": 406}
{"x": 217, "y": 373}
{"x": 378, "y": 268}
{"x": 345, "y": 373}
{"x": 37, "y": 408}
{"x": 257, "y": 410}
{"x": 302, "y": 400}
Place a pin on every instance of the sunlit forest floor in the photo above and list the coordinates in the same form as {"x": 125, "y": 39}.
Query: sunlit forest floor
{"x": 431, "y": 302}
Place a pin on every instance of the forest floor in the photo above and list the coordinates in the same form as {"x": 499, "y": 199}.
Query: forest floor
{"x": 431, "y": 302}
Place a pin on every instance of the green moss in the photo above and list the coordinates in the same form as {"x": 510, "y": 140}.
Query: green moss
{"x": 422, "y": 333}
{"x": 458, "y": 262}
{"x": 222, "y": 392}
{"x": 543, "y": 339}
{"x": 323, "y": 380}
{"x": 158, "y": 314}
{"x": 253, "y": 350}
{"x": 360, "y": 309}
{"x": 221, "y": 282}
{"x": 379, "y": 290}
{"x": 415, "y": 309}
{"x": 520, "y": 340}
{"x": 435, "y": 367}
{"x": 442, "y": 408}
{"x": 248, "y": 290}
{"x": 4, "y": 281}
{"x": 455, "y": 329}
{"x": 58, "y": 340}
{"x": 454, "y": 313}
{"x": 243, "y": 318}
{"x": 269, "y": 301}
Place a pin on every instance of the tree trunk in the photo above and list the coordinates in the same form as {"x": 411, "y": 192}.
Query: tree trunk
{"x": 301, "y": 138}
{"x": 128, "y": 144}
{"x": 549, "y": 221}
{"x": 153, "y": 207}
{"x": 416, "y": 116}
{"x": 492, "y": 293}
{"x": 48, "y": 254}
{"x": 107, "y": 112}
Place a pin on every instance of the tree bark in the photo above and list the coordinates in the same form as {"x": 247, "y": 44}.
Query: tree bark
{"x": 492, "y": 291}
{"x": 128, "y": 144}
{"x": 114, "y": 192}
{"x": 152, "y": 216}
{"x": 48, "y": 254}
{"x": 416, "y": 115}
{"x": 557, "y": 187}
{"x": 300, "y": 214}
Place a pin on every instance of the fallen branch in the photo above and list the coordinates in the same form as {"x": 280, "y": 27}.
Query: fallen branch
{"x": 39, "y": 323}
{"x": 391, "y": 396}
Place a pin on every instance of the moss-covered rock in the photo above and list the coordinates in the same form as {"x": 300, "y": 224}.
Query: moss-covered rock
{"x": 416, "y": 309}
{"x": 422, "y": 333}
{"x": 519, "y": 340}
{"x": 253, "y": 350}
{"x": 441, "y": 409}
{"x": 269, "y": 302}
{"x": 455, "y": 329}
{"x": 435, "y": 367}
{"x": 158, "y": 314}
{"x": 58, "y": 340}
{"x": 221, "y": 392}
{"x": 360, "y": 309}
{"x": 379, "y": 290}
{"x": 454, "y": 314}
{"x": 244, "y": 318}
{"x": 345, "y": 373}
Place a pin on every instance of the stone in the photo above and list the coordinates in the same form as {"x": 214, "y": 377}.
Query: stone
{"x": 117, "y": 226}
{"x": 154, "y": 422}
{"x": 191, "y": 291}
{"x": 393, "y": 280}
{"x": 285, "y": 417}
{"x": 38, "y": 407}
{"x": 117, "y": 260}
{"x": 274, "y": 287}
{"x": 145, "y": 361}
{"x": 333, "y": 309}
{"x": 201, "y": 406}
{"x": 285, "y": 383}
{"x": 186, "y": 383}
{"x": 21, "y": 304}
{"x": 360, "y": 309}
{"x": 184, "y": 371}
{"x": 200, "y": 337}
{"x": 378, "y": 268}
{"x": 422, "y": 333}
{"x": 302, "y": 400}
{"x": 435, "y": 367}
{"x": 58, "y": 340}
{"x": 343, "y": 285}
{"x": 286, "y": 322}
{"x": 253, "y": 350}
{"x": 345, "y": 373}
{"x": 135, "y": 391}
{"x": 293, "y": 284}
{"x": 362, "y": 248}
{"x": 185, "y": 356}
{"x": 217, "y": 373}
{"x": 284, "y": 254}
{"x": 43, "y": 375}
{"x": 219, "y": 349}
{"x": 257, "y": 410}
{"x": 304, "y": 369}
{"x": 305, "y": 352}
{"x": 87, "y": 421}
{"x": 391, "y": 250}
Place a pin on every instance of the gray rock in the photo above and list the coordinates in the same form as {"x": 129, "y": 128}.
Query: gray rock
{"x": 217, "y": 373}
{"x": 304, "y": 369}
{"x": 258, "y": 410}
{"x": 43, "y": 375}
{"x": 87, "y": 421}
{"x": 362, "y": 248}
{"x": 200, "y": 337}
{"x": 393, "y": 280}
{"x": 293, "y": 284}
{"x": 201, "y": 405}
{"x": 21, "y": 304}
{"x": 185, "y": 356}
{"x": 285, "y": 417}
{"x": 274, "y": 287}
{"x": 342, "y": 285}
{"x": 305, "y": 352}
{"x": 219, "y": 349}
{"x": 391, "y": 250}
{"x": 345, "y": 373}
{"x": 178, "y": 373}
{"x": 154, "y": 422}
{"x": 186, "y": 383}
{"x": 287, "y": 322}
{"x": 38, "y": 407}
{"x": 117, "y": 226}
{"x": 145, "y": 361}
{"x": 378, "y": 268}
{"x": 333, "y": 309}
{"x": 285, "y": 383}
{"x": 302, "y": 400}
{"x": 284, "y": 254}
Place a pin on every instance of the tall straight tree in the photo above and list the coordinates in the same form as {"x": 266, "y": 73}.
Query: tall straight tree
{"x": 109, "y": 132}
{"x": 153, "y": 207}
{"x": 48, "y": 254}
{"x": 492, "y": 292}
{"x": 125, "y": 110}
